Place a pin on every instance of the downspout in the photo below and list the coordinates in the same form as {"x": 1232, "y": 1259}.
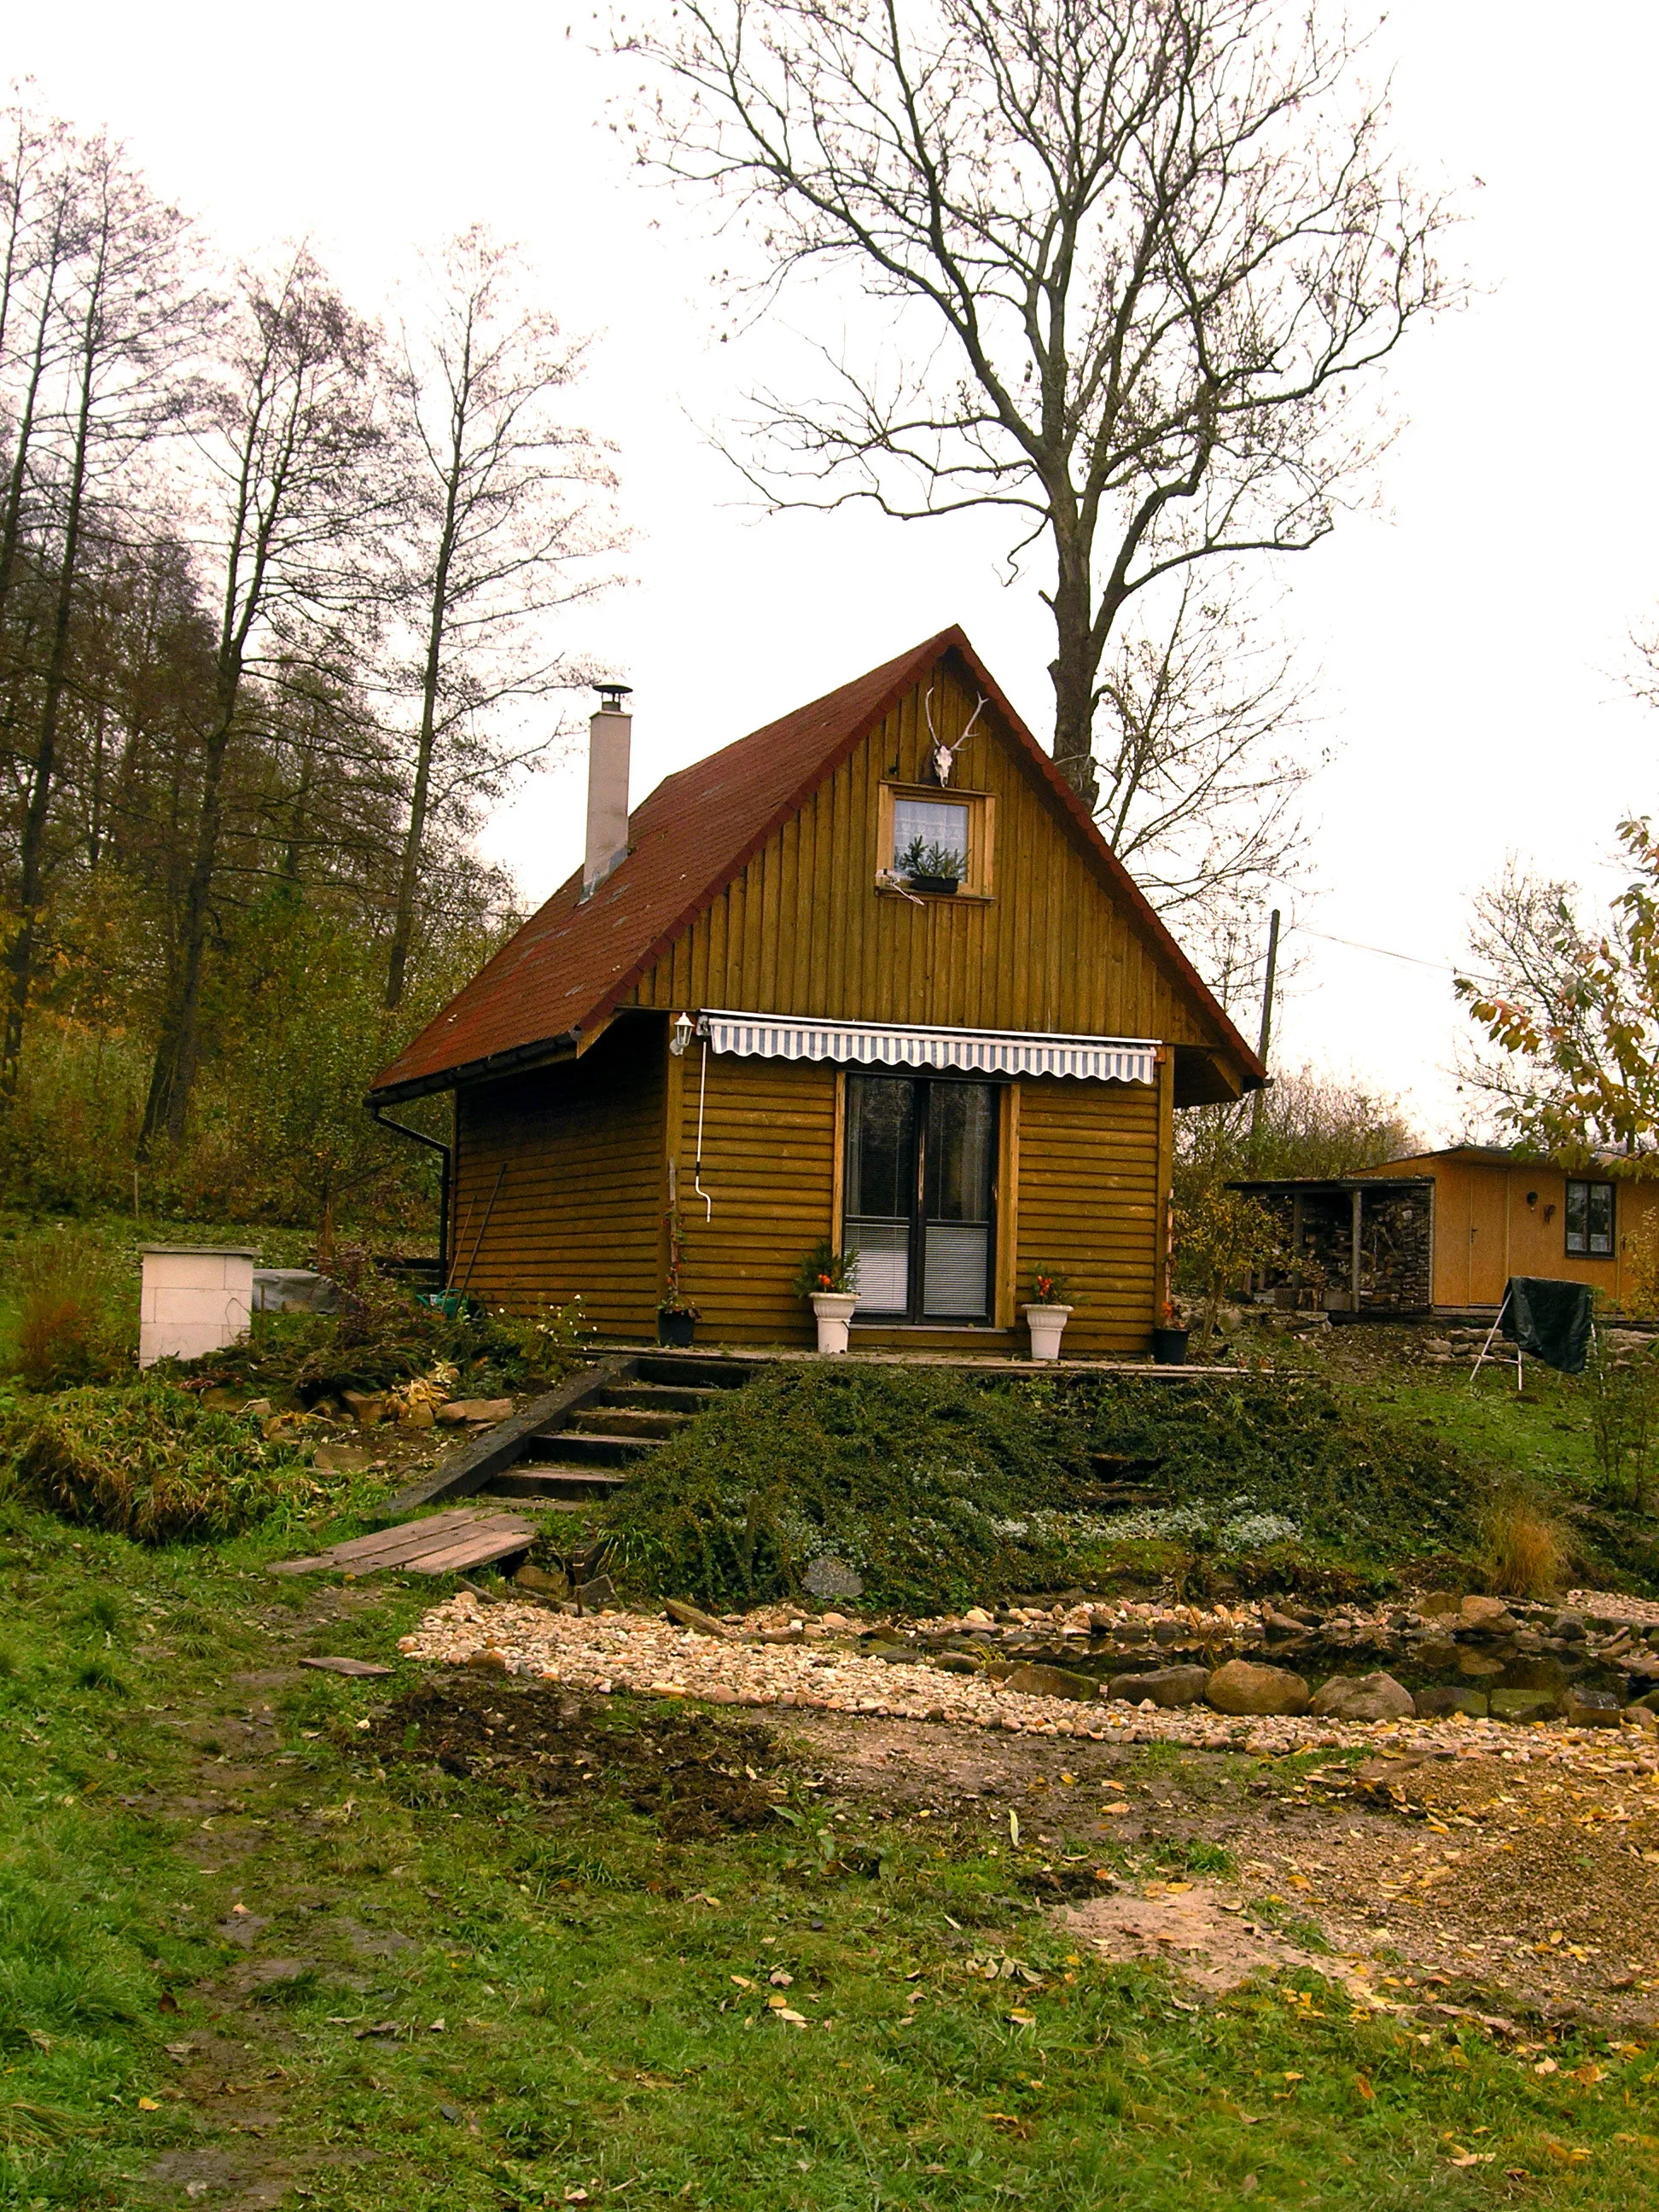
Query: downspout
{"x": 435, "y": 1145}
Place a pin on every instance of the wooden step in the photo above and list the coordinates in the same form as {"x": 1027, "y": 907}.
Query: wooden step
{"x": 687, "y": 1367}
{"x": 660, "y": 1397}
{"x": 577, "y": 1448}
{"x": 655, "y": 1423}
{"x": 534, "y": 1480}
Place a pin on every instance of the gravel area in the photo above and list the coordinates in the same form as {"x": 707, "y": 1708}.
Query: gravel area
{"x": 625, "y": 1651}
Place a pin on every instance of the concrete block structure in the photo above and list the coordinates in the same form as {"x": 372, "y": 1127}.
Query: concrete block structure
{"x": 195, "y": 1299}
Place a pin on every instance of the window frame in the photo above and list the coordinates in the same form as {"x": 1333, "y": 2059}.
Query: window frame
{"x": 1588, "y": 1184}
{"x": 978, "y": 882}
{"x": 915, "y": 1313}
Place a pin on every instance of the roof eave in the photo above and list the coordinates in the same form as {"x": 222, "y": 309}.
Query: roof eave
{"x": 510, "y": 1062}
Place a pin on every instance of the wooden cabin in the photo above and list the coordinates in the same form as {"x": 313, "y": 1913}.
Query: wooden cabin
{"x": 871, "y": 973}
{"x": 1443, "y": 1232}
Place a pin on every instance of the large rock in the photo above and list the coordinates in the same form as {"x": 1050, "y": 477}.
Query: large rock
{"x": 1242, "y": 1687}
{"x": 1364, "y": 1697}
{"x": 476, "y": 1409}
{"x": 1592, "y": 1708}
{"x": 1434, "y": 1703}
{"x": 1050, "y": 1682}
{"x": 1525, "y": 1705}
{"x": 1165, "y": 1685}
{"x": 1488, "y": 1615}
{"x": 686, "y": 1615}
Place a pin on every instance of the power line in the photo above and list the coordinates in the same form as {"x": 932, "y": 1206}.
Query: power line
{"x": 1386, "y": 952}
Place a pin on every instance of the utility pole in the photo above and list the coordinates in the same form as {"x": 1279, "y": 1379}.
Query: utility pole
{"x": 1266, "y": 1022}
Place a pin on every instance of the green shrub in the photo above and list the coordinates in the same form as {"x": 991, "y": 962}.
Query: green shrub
{"x": 152, "y": 1463}
{"x": 940, "y": 1489}
{"x": 382, "y": 1334}
{"x": 75, "y": 1319}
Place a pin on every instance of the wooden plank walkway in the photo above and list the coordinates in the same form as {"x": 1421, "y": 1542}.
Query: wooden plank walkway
{"x": 445, "y": 1543}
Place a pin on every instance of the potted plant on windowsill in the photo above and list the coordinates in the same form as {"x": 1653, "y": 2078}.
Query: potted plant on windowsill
{"x": 830, "y": 1279}
{"x": 1169, "y": 1340}
{"x": 1047, "y": 1312}
{"x": 928, "y": 868}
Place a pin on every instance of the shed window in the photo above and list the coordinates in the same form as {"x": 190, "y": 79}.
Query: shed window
{"x": 1590, "y": 1220}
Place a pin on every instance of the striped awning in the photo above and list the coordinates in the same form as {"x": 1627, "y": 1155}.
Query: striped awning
{"x": 890, "y": 1044}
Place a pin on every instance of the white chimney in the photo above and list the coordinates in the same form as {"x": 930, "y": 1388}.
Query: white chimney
{"x": 610, "y": 733}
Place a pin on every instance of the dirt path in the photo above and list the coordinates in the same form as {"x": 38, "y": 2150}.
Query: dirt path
{"x": 1538, "y": 1883}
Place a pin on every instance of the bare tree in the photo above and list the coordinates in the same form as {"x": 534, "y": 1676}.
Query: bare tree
{"x": 291, "y": 438}
{"x": 1196, "y": 734}
{"x": 1134, "y": 260}
{"x": 506, "y": 531}
{"x": 131, "y": 321}
{"x": 40, "y": 205}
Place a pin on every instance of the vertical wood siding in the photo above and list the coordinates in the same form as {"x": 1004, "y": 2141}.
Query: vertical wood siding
{"x": 578, "y": 1151}
{"x": 805, "y": 930}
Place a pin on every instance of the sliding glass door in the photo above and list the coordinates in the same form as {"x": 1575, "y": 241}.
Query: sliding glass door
{"x": 919, "y": 1181}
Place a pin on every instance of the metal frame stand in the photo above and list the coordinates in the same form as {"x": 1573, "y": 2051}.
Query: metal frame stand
{"x": 1485, "y": 1350}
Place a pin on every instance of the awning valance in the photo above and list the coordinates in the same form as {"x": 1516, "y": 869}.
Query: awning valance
{"x": 891, "y": 1044}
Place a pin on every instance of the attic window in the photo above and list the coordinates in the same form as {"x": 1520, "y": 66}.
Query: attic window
{"x": 935, "y": 841}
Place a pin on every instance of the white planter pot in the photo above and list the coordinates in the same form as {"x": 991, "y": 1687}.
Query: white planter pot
{"x": 1047, "y": 1325}
{"x": 834, "y": 1310}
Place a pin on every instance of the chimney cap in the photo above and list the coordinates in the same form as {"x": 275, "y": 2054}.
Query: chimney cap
{"x": 611, "y": 695}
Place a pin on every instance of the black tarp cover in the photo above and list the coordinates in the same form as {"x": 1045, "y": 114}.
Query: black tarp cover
{"x": 1550, "y": 1320}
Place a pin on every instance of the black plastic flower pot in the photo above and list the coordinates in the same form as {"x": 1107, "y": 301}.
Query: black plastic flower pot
{"x": 678, "y": 1329}
{"x": 945, "y": 884}
{"x": 1169, "y": 1346}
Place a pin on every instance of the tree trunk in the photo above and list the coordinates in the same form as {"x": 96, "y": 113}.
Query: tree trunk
{"x": 178, "y": 1047}
{"x": 409, "y": 874}
{"x": 1074, "y": 666}
{"x": 32, "y": 843}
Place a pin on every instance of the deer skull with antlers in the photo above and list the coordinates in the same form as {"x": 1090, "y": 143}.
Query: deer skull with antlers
{"x": 944, "y": 756}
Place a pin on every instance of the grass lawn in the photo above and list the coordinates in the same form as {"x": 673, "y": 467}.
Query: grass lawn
{"x": 256, "y": 1952}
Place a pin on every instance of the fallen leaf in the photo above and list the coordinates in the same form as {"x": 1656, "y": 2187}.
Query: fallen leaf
{"x": 795, "y": 2019}
{"x": 742, "y": 1981}
{"x": 1364, "y": 2088}
{"x": 1024, "y": 2018}
{"x": 1472, "y": 2158}
{"x": 147, "y": 2104}
{"x": 779, "y": 1979}
{"x": 1013, "y": 1826}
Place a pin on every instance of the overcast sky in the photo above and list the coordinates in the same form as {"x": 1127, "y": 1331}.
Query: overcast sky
{"x": 1469, "y": 632}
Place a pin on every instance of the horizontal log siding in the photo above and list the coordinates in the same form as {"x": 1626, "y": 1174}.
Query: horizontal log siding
{"x": 580, "y": 1207}
{"x": 1088, "y": 1205}
{"x": 768, "y": 1157}
{"x": 803, "y": 929}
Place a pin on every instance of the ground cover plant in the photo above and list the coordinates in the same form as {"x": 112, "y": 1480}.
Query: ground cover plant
{"x": 939, "y": 1489}
{"x": 274, "y": 1937}
{"x": 151, "y": 1461}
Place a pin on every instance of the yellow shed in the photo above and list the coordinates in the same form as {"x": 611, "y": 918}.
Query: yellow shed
{"x": 1496, "y": 1215}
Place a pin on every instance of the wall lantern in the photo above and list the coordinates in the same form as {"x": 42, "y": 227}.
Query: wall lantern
{"x": 681, "y": 1035}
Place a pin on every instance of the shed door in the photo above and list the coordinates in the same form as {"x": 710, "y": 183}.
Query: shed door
{"x": 921, "y": 1159}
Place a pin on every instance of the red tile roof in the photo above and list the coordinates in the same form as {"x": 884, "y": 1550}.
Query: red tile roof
{"x": 572, "y": 962}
